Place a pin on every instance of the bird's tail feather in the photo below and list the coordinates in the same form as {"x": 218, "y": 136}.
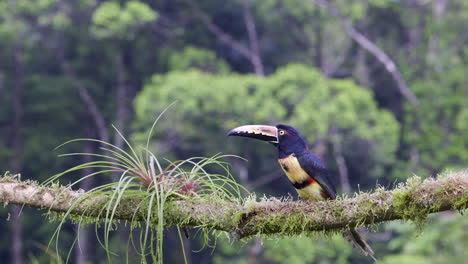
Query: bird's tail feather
{"x": 358, "y": 242}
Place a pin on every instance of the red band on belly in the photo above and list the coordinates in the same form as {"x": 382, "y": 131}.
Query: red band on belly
{"x": 303, "y": 184}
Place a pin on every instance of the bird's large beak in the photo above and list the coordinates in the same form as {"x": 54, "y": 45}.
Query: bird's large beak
{"x": 265, "y": 133}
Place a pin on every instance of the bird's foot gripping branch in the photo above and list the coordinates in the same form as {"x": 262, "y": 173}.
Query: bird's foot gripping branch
{"x": 413, "y": 200}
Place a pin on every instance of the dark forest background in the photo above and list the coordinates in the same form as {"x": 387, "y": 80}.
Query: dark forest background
{"x": 378, "y": 88}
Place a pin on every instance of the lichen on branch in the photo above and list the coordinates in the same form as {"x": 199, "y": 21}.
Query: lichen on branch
{"x": 412, "y": 200}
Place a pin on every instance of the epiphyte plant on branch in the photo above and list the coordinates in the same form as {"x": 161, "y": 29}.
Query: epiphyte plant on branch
{"x": 143, "y": 176}
{"x": 305, "y": 171}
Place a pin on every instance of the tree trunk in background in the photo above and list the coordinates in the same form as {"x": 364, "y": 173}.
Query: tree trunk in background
{"x": 121, "y": 101}
{"x": 255, "y": 251}
{"x": 255, "y": 57}
{"x": 320, "y": 148}
{"x": 17, "y": 146}
{"x": 318, "y": 44}
{"x": 340, "y": 162}
{"x": 83, "y": 252}
{"x": 2, "y": 84}
{"x": 342, "y": 169}
{"x": 124, "y": 97}
{"x": 434, "y": 50}
{"x": 242, "y": 170}
{"x": 91, "y": 105}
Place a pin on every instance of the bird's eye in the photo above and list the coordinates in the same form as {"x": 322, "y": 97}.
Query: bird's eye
{"x": 281, "y": 132}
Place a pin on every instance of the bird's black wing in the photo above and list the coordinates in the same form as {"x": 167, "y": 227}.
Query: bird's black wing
{"x": 317, "y": 170}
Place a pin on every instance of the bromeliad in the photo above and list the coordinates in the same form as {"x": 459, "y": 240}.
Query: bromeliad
{"x": 305, "y": 171}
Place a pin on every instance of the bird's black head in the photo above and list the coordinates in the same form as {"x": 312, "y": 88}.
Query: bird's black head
{"x": 286, "y": 138}
{"x": 290, "y": 141}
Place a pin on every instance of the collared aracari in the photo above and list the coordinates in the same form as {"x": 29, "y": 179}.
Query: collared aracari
{"x": 305, "y": 171}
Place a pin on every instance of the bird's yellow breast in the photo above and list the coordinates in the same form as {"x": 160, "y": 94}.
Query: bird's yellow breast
{"x": 291, "y": 167}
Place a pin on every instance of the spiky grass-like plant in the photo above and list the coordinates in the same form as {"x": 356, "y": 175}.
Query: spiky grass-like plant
{"x": 143, "y": 175}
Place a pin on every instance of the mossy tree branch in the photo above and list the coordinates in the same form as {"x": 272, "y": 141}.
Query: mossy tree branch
{"x": 413, "y": 200}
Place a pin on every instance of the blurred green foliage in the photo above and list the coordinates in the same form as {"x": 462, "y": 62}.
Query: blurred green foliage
{"x": 197, "y": 58}
{"x": 112, "y": 20}
{"x": 444, "y": 242}
{"x": 295, "y": 250}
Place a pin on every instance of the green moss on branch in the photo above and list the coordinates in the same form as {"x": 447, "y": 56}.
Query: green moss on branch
{"x": 413, "y": 200}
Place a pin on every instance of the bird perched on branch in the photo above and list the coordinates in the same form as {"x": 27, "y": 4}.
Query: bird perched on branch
{"x": 305, "y": 171}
